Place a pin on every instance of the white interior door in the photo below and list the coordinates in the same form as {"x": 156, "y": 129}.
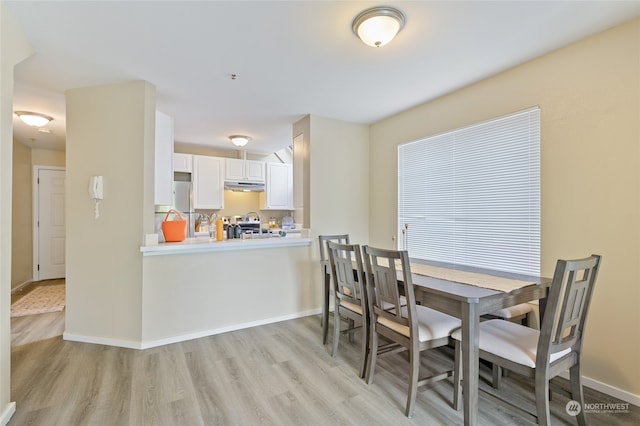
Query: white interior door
{"x": 50, "y": 224}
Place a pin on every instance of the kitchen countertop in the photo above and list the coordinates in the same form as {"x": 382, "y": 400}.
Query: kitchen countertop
{"x": 204, "y": 244}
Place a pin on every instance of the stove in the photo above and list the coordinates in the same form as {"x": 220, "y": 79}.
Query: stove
{"x": 248, "y": 223}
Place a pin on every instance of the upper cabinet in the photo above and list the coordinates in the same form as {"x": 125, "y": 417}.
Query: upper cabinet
{"x": 208, "y": 183}
{"x": 183, "y": 163}
{"x": 163, "y": 178}
{"x": 278, "y": 193}
{"x": 247, "y": 170}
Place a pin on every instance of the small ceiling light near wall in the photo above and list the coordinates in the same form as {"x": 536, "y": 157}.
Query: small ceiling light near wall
{"x": 239, "y": 140}
{"x": 379, "y": 25}
{"x": 34, "y": 119}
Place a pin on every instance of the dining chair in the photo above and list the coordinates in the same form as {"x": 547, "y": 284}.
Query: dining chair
{"x": 350, "y": 298}
{"x": 518, "y": 313}
{"x": 542, "y": 355}
{"x": 395, "y": 316}
{"x": 325, "y": 271}
{"x": 521, "y": 313}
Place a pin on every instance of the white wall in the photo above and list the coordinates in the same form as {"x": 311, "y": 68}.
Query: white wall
{"x": 14, "y": 48}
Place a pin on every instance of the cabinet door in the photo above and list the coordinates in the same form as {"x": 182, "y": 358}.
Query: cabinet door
{"x": 183, "y": 163}
{"x": 278, "y": 193}
{"x": 163, "y": 175}
{"x": 234, "y": 169}
{"x": 208, "y": 184}
{"x": 254, "y": 170}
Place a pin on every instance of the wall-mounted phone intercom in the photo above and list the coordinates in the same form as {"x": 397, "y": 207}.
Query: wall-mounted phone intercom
{"x": 96, "y": 192}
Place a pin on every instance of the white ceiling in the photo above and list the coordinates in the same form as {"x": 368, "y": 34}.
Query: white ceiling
{"x": 291, "y": 58}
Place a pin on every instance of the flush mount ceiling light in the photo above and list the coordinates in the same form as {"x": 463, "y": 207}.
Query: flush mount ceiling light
{"x": 239, "y": 140}
{"x": 378, "y": 26}
{"x": 34, "y": 119}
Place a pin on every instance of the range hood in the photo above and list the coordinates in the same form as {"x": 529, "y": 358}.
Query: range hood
{"x": 243, "y": 186}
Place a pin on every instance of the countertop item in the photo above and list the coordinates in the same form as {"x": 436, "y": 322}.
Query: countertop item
{"x": 287, "y": 222}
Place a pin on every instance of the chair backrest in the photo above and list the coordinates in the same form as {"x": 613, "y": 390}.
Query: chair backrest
{"x": 324, "y": 239}
{"x": 383, "y": 289}
{"x": 349, "y": 287}
{"x": 567, "y": 305}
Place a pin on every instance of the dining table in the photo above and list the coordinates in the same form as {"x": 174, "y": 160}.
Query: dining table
{"x": 467, "y": 293}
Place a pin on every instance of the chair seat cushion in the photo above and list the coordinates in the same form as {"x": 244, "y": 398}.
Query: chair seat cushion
{"x": 510, "y": 341}
{"x": 513, "y": 311}
{"x": 431, "y": 324}
{"x": 351, "y": 306}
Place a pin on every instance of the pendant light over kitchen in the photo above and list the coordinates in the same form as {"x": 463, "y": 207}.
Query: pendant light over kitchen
{"x": 377, "y": 26}
{"x": 239, "y": 140}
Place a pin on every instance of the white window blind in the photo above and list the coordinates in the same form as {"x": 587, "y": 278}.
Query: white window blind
{"x": 472, "y": 196}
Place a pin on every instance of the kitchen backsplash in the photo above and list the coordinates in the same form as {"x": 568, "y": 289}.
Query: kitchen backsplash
{"x": 240, "y": 203}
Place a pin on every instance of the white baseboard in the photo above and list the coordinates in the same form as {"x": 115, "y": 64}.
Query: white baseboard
{"x": 607, "y": 389}
{"x": 7, "y": 413}
{"x": 107, "y": 341}
{"x": 21, "y": 286}
{"x": 182, "y": 337}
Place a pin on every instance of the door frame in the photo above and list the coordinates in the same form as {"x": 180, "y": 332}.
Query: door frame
{"x": 35, "y": 230}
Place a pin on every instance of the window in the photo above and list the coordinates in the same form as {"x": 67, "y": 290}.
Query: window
{"x": 472, "y": 196}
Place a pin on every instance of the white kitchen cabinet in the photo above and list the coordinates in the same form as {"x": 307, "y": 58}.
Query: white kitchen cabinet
{"x": 244, "y": 170}
{"x": 278, "y": 192}
{"x": 208, "y": 182}
{"x": 183, "y": 163}
{"x": 163, "y": 175}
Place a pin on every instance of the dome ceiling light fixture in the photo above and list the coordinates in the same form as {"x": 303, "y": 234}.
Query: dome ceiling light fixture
{"x": 239, "y": 140}
{"x": 34, "y": 119}
{"x": 377, "y": 26}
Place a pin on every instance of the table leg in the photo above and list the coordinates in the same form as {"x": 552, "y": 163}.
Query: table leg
{"x": 326, "y": 282}
{"x": 470, "y": 363}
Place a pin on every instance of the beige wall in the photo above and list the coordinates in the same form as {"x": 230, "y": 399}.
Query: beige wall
{"x": 14, "y": 48}
{"x": 48, "y": 157}
{"x": 589, "y": 95}
{"x": 110, "y": 132}
{"x": 198, "y": 293}
{"x": 339, "y": 178}
{"x": 24, "y": 158}
{"x": 301, "y": 170}
{"x": 22, "y": 218}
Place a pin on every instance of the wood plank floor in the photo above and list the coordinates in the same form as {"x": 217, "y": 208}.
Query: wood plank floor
{"x": 33, "y": 328}
{"x": 277, "y": 374}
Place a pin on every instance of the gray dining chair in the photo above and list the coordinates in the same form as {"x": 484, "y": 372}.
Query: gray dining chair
{"x": 544, "y": 354}
{"x": 521, "y": 313}
{"x": 394, "y": 315}
{"x": 350, "y": 298}
{"x": 325, "y": 271}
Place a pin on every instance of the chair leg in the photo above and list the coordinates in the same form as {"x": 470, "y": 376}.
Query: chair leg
{"x": 497, "y": 375}
{"x": 457, "y": 377}
{"x": 365, "y": 346}
{"x": 576, "y": 392}
{"x": 336, "y": 331}
{"x": 373, "y": 352}
{"x": 542, "y": 400}
{"x": 351, "y": 325}
{"x": 326, "y": 283}
{"x": 414, "y": 371}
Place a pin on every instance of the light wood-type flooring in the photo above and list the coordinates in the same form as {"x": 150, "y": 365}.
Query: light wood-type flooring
{"x": 277, "y": 374}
